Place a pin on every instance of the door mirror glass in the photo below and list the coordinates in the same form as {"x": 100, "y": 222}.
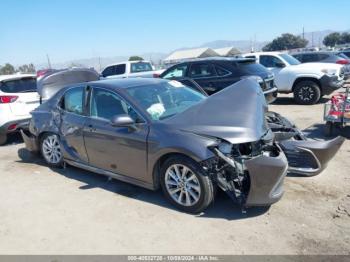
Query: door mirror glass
{"x": 122, "y": 121}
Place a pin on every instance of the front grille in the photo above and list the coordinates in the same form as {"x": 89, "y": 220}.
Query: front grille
{"x": 267, "y": 84}
{"x": 301, "y": 159}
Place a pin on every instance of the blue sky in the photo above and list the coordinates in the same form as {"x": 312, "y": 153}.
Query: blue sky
{"x": 73, "y": 29}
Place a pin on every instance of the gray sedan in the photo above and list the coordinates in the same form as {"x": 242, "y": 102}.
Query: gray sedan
{"x": 157, "y": 133}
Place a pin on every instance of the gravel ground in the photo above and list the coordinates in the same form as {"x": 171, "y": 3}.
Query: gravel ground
{"x": 53, "y": 211}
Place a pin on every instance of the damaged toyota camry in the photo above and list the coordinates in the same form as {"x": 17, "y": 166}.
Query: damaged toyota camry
{"x": 156, "y": 133}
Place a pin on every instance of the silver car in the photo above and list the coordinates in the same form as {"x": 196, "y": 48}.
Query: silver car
{"x": 156, "y": 133}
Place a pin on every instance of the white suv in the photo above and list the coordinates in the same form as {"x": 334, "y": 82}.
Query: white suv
{"x": 308, "y": 82}
{"x": 18, "y": 97}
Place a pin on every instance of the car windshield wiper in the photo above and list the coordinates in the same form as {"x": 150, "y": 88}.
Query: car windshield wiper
{"x": 27, "y": 91}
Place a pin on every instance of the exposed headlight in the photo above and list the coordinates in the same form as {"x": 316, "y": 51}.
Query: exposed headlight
{"x": 225, "y": 147}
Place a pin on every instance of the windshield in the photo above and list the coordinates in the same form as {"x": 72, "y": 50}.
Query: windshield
{"x": 140, "y": 67}
{"x": 166, "y": 99}
{"x": 19, "y": 85}
{"x": 289, "y": 59}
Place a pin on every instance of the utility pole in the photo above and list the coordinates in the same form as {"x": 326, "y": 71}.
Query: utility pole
{"x": 99, "y": 61}
{"x": 303, "y": 33}
{"x": 312, "y": 39}
{"x": 48, "y": 61}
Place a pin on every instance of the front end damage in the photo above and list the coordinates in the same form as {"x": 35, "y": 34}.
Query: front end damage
{"x": 252, "y": 174}
{"x": 305, "y": 156}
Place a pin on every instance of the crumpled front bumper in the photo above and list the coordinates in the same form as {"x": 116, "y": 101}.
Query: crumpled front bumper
{"x": 310, "y": 157}
{"x": 266, "y": 175}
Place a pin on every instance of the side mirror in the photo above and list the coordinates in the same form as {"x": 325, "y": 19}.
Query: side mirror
{"x": 280, "y": 65}
{"x": 122, "y": 121}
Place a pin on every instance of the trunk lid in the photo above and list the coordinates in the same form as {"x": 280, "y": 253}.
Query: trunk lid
{"x": 50, "y": 84}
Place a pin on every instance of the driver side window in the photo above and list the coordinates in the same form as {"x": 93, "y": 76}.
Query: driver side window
{"x": 270, "y": 61}
{"x": 106, "y": 105}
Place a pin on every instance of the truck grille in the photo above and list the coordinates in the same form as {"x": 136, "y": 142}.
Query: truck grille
{"x": 267, "y": 84}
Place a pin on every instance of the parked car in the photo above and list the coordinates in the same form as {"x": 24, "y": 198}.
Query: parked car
{"x": 308, "y": 82}
{"x": 130, "y": 69}
{"x": 18, "y": 96}
{"x": 215, "y": 74}
{"x": 158, "y": 133}
{"x": 346, "y": 52}
{"x": 337, "y": 57}
{"x": 306, "y": 156}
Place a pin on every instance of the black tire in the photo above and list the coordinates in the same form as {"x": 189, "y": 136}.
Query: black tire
{"x": 307, "y": 93}
{"x": 57, "y": 163}
{"x": 3, "y": 139}
{"x": 206, "y": 195}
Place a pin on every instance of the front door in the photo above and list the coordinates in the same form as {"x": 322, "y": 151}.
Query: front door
{"x": 121, "y": 150}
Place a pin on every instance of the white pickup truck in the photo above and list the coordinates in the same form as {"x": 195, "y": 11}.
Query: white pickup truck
{"x": 308, "y": 82}
{"x": 130, "y": 69}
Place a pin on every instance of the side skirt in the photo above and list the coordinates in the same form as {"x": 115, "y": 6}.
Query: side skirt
{"x": 111, "y": 174}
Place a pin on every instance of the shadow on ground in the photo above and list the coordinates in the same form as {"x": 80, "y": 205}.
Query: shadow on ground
{"x": 291, "y": 101}
{"x": 223, "y": 207}
{"x": 317, "y": 131}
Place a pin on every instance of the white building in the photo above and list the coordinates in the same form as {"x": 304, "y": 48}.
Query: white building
{"x": 188, "y": 54}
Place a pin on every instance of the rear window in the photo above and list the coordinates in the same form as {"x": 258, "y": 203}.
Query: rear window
{"x": 251, "y": 67}
{"x": 140, "y": 67}
{"x": 22, "y": 85}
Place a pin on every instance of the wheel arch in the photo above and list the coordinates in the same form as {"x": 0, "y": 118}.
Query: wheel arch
{"x": 160, "y": 161}
{"x": 312, "y": 79}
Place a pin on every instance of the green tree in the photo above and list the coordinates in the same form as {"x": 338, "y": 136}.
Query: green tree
{"x": 286, "y": 41}
{"x": 27, "y": 69}
{"x": 135, "y": 58}
{"x": 344, "y": 38}
{"x": 332, "y": 39}
{"x": 7, "y": 69}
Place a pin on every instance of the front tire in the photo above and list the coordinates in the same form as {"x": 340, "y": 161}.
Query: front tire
{"x": 307, "y": 93}
{"x": 185, "y": 185}
{"x": 50, "y": 148}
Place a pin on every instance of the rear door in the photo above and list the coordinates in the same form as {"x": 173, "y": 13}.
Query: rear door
{"x": 73, "y": 119}
{"x": 25, "y": 91}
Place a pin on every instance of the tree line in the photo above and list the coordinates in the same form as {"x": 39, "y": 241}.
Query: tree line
{"x": 9, "y": 69}
{"x": 290, "y": 41}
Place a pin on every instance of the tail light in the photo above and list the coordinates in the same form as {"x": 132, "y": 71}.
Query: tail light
{"x": 7, "y": 99}
{"x": 156, "y": 75}
{"x": 12, "y": 127}
{"x": 343, "y": 62}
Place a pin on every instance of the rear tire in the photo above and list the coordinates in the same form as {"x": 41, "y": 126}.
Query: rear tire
{"x": 307, "y": 93}
{"x": 50, "y": 148}
{"x": 185, "y": 185}
{"x": 3, "y": 139}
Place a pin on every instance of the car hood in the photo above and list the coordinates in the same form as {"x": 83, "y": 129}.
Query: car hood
{"x": 49, "y": 85}
{"x": 235, "y": 114}
{"x": 316, "y": 66}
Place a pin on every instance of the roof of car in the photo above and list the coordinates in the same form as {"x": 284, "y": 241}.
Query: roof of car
{"x": 265, "y": 53}
{"x": 125, "y": 83}
{"x": 128, "y": 62}
{"x": 15, "y": 76}
{"x": 316, "y": 52}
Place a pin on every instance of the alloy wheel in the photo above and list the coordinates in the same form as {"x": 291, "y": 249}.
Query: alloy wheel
{"x": 306, "y": 93}
{"x": 51, "y": 149}
{"x": 182, "y": 185}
